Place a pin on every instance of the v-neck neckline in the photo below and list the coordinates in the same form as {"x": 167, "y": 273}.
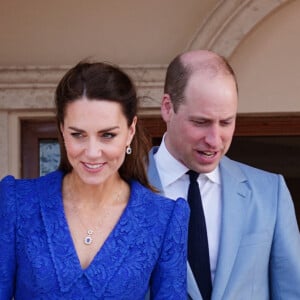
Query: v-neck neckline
{"x": 68, "y": 232}
{"x": 67, "y": 265}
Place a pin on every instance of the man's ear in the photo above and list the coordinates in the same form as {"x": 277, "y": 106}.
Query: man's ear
{"x": 166, "y": 107}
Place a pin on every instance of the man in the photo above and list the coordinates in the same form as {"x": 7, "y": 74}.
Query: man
{"x": 252, "y": 232}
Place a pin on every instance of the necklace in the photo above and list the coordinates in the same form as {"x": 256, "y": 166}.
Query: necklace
{"x": 89, "y": 237}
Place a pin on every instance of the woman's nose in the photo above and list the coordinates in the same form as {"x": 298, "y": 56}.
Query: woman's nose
{"x": 93, "y": 148}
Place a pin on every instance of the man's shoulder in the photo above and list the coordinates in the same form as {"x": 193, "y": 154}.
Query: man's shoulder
{"x": 241, "y": 169}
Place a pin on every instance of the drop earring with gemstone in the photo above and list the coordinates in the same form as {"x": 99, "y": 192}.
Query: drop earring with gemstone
{"x": 128, "y": 150}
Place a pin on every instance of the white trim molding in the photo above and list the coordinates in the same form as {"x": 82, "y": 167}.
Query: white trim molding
{"x": 33, "y": 87}
{"x": 229, "y": 22}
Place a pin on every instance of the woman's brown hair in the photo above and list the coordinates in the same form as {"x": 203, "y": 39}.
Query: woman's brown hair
{"x": 104, "y": 81}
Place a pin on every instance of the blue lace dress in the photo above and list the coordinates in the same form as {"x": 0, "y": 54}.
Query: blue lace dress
{"x": 146, "y": 249}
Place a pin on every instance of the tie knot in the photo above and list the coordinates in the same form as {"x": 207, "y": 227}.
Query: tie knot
{"x": 193, "y": 175}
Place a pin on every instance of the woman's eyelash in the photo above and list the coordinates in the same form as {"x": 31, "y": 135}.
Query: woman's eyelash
{"x": 106, "y": 135}
{"x": 76, "y": 134}
{"x": 109, "y": 135}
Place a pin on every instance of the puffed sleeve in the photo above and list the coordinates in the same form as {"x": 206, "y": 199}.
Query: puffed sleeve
{"x": 169, "y": 276}
{"x": 7, "y": 237}
{"x": 285, "y": 253}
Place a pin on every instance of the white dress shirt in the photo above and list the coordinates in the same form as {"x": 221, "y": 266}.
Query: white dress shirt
{"x": 175, "y": 184}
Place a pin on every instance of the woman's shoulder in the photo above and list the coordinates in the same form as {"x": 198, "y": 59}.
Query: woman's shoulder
{"x": 11, "y": 183}
{"x": 12, "y": 187}
{"x": 10, "y": 180}
{"x": 23, "y": 196}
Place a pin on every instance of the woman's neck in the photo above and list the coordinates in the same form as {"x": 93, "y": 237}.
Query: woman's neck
{"x": 93, "y": 196}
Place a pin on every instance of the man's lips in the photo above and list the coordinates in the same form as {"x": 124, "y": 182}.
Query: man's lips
{"x": 208, "y": 153}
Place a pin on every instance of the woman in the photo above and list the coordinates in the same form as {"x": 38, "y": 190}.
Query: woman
{"x": 93, "y": 229}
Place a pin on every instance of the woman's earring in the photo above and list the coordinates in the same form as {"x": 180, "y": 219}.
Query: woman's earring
{"x": 128, "y": 150}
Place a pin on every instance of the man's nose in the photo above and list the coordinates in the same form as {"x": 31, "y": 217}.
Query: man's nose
{"x": 213, "y": 136}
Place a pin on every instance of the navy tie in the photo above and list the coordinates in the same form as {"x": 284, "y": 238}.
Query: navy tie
{"x": 198, "y": 253}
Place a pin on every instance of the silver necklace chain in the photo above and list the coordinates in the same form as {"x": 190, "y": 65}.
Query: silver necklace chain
{"x": 89, "y": 237}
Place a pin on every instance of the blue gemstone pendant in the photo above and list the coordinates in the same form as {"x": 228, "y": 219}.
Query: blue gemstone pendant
{"x": 88, "y": 239}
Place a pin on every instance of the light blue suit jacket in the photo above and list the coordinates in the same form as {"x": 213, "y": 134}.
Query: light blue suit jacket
{"x": 259, "y": 252}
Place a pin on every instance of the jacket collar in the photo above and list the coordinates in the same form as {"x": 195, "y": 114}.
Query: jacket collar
{"x": 111, "y": 255}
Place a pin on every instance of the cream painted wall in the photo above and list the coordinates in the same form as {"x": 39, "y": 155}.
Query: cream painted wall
{"x": 39, "y": 39}
{"x": 267, "y": 63}
{"x": 62, "y": 32}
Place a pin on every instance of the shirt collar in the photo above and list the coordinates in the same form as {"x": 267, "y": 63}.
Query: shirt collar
{"x": 170, "y": 169}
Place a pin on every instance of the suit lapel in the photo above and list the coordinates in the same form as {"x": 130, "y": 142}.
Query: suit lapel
{"x": 192, "y": 287}
{"x": 235, "y": 196}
